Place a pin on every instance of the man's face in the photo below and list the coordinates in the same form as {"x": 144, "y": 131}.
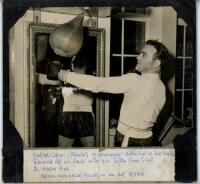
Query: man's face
{"x": 146, "y": 59}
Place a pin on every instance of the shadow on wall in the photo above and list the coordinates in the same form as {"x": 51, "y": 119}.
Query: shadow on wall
{"x": 166, "y": 74}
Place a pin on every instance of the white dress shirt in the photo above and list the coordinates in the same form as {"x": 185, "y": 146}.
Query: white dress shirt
{"x": 144, "y": 97}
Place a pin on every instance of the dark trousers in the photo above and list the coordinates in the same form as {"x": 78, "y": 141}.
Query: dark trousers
{"x": 132, "y": 142}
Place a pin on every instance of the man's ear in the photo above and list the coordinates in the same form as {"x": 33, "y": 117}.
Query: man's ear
{"x": 157, "y": 63}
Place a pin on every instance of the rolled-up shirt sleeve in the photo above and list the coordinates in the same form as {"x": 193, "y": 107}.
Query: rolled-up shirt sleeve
{"x": 115, "y": 85}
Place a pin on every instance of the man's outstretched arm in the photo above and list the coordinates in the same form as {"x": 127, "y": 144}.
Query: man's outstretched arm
{"x": 115, "y": 85}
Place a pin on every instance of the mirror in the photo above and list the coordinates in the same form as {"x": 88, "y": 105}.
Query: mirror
{"x": 41, "y": 113}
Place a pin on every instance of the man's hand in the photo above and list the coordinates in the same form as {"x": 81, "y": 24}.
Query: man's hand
{"x": 61, "y": 75}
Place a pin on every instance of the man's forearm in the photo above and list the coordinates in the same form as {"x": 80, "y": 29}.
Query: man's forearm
{"x": 95, "y": 84}
{"x": 86, "y": 82}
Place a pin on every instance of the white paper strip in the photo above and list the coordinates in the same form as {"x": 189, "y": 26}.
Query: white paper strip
{"x": 71, "y": 165}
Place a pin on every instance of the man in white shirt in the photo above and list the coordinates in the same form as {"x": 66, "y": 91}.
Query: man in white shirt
{"x": 144, "y": 95}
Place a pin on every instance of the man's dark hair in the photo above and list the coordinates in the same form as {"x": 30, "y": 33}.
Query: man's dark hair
{"x": 162, "y": 52}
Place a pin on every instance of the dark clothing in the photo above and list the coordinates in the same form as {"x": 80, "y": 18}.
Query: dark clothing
{"x": 132, "y": 141}
{"x": 49, "y": 104}
{"x": 54, "y": 103}
{"x": 50, "y": 130}
{"x": 76, "y": 125}
{"x": 54, "y": 99}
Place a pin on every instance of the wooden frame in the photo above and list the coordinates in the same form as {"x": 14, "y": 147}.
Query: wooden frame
{"x": 30, "y": 70}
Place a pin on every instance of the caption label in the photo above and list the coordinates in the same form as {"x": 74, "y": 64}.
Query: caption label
{"x": 60, "y": 165}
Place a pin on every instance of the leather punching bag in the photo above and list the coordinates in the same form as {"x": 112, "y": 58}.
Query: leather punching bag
{"x": 67, "y": 39}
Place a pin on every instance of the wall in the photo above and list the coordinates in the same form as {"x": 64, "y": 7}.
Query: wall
{"x": 169, "y": 38}
{"x": 18, "y": 56}
{"x": 163, "y": 25}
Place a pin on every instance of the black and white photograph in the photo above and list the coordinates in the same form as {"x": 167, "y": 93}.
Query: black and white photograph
{"x": 100, "y": 77}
